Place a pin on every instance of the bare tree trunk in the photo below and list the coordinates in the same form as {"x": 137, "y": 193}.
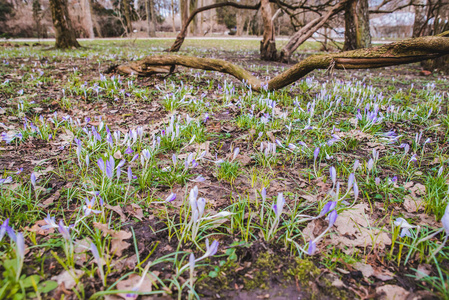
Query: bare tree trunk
{"x": 192, "y": 8}
{"x": 184, "y": 8}
{"x": 201, "y": 20}
{"x": 420, "y": 17}
{"x": 65, "y": 35}
{"x": 150, "y": 18}
{"x": 183, "y": 33}
{"x": 403, "y": 52}
{"x": 357, "y": 35}
{"x": 94, "y": 20}
{"x": 173, "y": 15}
{"x": 87, "y": 18}
{"x": 307, "y": 31}
{"x": 268, "y": 44}
{"x": 127, "y": 13}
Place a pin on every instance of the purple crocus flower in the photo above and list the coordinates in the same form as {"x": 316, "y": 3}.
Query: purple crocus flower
{"x": 264, "y": 194}
{"x": 5, "y": 180}
{"x": 312, "y": 248}
{"x": 279, "y": 206}
{"x": 333, "y": 174}
{"x": 327, "y": 208}
{"x": 33, "y": 179}
{"x": 130, "y": 174}
{"x": 350, "y": 180}
{"x": 332, "y": 218}
{"x": 51, "y": 222}
{"x": 4, "y": 228}
{"x": 88, "y": 207}
{"x": 236, "y": 152}
{"x": 212, "y": 249}
{"x": 20, "y": 243}
{"x": 100, "y": 163}
{"x": 129, "y": 150}
{"x": 192, "y": 262}
{"x": 199, "y": 179}
{"x": 110, "y": 164}
{"x": 64, "y": 230}
{"x": 170, "y": 197}
{"x": 315, "y": 153}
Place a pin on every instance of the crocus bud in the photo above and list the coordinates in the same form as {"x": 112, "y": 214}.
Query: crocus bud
{"x": 33, "y": 179}
{"x": 264, "y": 193}
{"x": 350, "y": 181}
{"x": 333, "y": 174}
{"x": 130, "y": 174}
{"x": 377, "y": 180}
{"x": 370, "y": 164}
{"x": 192, "y": 262}
{"x": 312, "y": 248}
{"x": 445, "y": 219}
{"x": 356, "y": 165}
{"x": 332, "y": 218}
{"x": 170, "y": 197}
{"x": 236, "y": 152}
{"x": 315, "y": 153}
{"x": 356, "y": 191}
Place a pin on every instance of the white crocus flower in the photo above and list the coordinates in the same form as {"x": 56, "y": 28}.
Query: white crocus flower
{"x": 405, "y": 226}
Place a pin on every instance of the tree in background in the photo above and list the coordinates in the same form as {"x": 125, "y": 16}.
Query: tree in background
{"x": 151, "y": 18}
{"x": 37, "y": 12}
{"x": 268, "y": 44}
{"x": 421, "y": 10}
{"x": 6, "y": 10}
{"x": 65, "y": 35}
{"x": 127, "y": 13}
{"x": 357, "y": 35}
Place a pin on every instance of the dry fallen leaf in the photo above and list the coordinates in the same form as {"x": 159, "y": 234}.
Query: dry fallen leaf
{"x": 391, "y": 292}
{"x": 309, "y": 198}
{"x": 135, "y": 210}
{"x": 37, "y": 228}
{"x": 133, "y": 280}
{"x": 423, "y": 271}
{"x": 43, "y": 172}
{"x": 367, "y": 270}
{"x": 355, "y": 230}
{"x": 117, "y": 244}
{"x": 118, "y": 210}
{"x": 413, "y": 204}
{"x": 68, "y": 278}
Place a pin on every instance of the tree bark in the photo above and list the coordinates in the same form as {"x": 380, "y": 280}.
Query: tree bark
{"x": 307, "y": 31}
{"x": 127, "y": 13}
{"x": 268, "y": 44}
{"x": 420, "y": 17}
{"x": 173, "y": 15}
{"x": 149, "y": 8}
{"x": 192, "y": 7}
{"x": 184, "y": 11}
{"x": 403, "y": 52}
{"x": 65, "y": 35}
{"x": 183, "y": 33}
{"x": 357, "y": 35}
{"x": 87, "y": 18}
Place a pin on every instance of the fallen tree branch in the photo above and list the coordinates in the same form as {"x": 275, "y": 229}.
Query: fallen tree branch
{"x": 403, "y": 52}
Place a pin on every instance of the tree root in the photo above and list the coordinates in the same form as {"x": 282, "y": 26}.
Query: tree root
{"x": 403, "y": 52}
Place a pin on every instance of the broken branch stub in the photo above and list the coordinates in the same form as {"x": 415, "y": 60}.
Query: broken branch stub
{"x": 403, "y": 52}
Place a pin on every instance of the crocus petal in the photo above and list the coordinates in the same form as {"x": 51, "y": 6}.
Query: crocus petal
{"x": 170, "y": 197}
{"x": 332, "y": 218}
{"x": 312, "y": 248}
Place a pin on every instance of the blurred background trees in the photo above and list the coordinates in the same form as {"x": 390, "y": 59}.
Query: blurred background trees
{"x": 354, "y": 22}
